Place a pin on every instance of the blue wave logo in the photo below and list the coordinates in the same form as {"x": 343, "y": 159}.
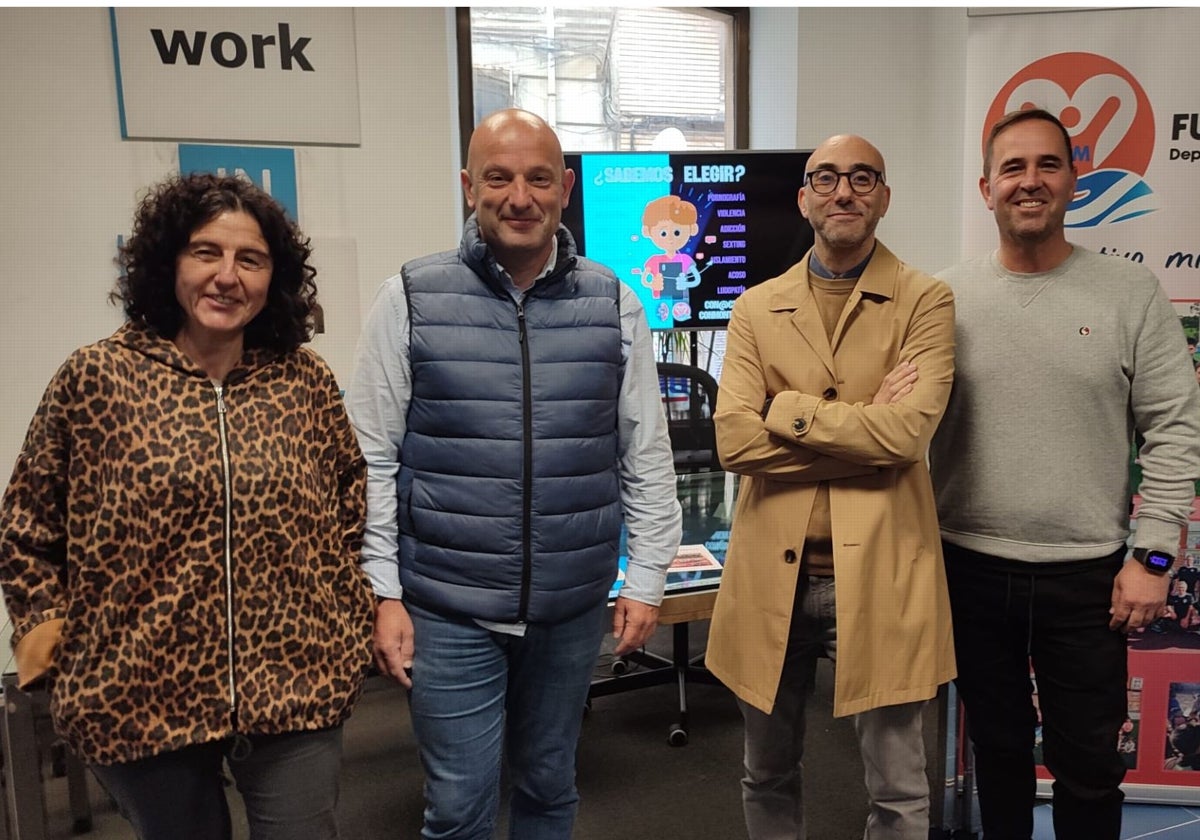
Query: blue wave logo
{"x": 1109, "y": 196}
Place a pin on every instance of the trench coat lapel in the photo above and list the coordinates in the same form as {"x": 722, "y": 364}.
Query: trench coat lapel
{"x": 797, "y": 297}
{"x": 878, "y": 281}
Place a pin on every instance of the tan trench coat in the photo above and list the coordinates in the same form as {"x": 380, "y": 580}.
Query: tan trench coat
{"x": 893, "y": 611}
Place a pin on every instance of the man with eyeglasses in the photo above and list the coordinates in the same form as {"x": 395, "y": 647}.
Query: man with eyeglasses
{"x": 835, "y": 375}
{"x": 1065, "y": 355}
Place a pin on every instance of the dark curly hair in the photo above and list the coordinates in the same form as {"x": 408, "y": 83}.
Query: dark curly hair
{"x": 162, "y": 226}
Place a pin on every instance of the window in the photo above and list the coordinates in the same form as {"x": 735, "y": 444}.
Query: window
{"x": 610, "y": 79}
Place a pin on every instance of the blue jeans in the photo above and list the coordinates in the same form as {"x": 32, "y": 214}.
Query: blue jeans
{"x": 889, "y": 739}
{"x": 288, "y": 782}
{"x": 1008, "y": 614}
{"x": 478, "y": 694}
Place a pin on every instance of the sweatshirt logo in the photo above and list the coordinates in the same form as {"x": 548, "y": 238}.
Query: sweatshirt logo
{"x": 1085, "y": 331}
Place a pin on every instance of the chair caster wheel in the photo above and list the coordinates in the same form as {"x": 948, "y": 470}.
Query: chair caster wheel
{"x": 678, "y": 736}
{"x": 619, "y": 667}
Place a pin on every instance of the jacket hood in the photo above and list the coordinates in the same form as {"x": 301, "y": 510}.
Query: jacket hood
{"x": 148, "y": 342}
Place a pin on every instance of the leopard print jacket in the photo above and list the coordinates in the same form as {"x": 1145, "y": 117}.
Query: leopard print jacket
{"x": 202, "y": 547}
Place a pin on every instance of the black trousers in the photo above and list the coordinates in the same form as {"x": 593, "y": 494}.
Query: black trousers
{"x": 1008, "y": 615}
{"x": 288, "y": 782}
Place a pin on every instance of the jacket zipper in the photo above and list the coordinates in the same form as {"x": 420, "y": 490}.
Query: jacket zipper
{"x": 527, "y": 478}
{"x": 228, "y": 552}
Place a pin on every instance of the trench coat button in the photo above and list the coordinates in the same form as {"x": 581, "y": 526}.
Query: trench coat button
{"x": 798, "y": 425}
{"x": 789, "y": 556}
{"x": 830, "y": 394}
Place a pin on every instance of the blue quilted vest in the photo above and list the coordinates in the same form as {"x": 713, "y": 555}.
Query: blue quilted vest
{"x": 509, "y": 502}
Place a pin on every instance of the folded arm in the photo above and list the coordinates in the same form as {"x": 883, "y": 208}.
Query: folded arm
{"x": 744, "y": 442}
{"x": 881, "y": 435}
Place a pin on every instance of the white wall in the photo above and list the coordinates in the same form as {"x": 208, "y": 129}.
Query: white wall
{"x": 900, "y": 84}
{"x": 70, "y": 182}
{"x": 70, "y": 185}
{"x": 774, "y": 77}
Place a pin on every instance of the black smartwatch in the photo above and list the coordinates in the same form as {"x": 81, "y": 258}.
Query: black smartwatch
{"x": 1158, "y": 562}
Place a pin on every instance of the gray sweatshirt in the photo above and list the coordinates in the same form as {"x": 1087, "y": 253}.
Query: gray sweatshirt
{"x": 1054, "y": 371}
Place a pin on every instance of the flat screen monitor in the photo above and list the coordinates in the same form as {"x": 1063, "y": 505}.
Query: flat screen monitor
{"x": 689, "y": 231}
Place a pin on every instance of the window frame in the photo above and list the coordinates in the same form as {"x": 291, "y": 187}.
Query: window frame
{"x": 740, "y": 83}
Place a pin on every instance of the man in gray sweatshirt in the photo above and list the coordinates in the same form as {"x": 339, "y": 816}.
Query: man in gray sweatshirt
{"x": 1062, "y": 355}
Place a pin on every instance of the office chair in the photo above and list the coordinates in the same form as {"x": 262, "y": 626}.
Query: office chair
{"x": 690, "y": 398}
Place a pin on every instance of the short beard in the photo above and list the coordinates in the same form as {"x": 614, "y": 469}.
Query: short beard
{"x": 845, "y": 241}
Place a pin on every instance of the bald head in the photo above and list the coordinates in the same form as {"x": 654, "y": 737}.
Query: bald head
{"x": 851, "y": 145}
{"x": 511, "y": 127}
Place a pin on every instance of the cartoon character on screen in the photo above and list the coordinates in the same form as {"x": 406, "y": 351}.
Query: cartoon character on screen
{"x": 669, "y": 222}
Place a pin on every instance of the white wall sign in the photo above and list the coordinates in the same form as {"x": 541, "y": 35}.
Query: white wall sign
{"x": 265, "y": 75}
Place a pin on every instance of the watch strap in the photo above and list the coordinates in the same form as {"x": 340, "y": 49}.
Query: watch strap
{"x": 1158, "y": 562}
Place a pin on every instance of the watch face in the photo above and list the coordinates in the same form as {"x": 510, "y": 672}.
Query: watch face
{"x": 1158, "y": 561}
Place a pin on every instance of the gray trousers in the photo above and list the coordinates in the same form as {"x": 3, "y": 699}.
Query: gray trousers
{"x": 889, "y": 738}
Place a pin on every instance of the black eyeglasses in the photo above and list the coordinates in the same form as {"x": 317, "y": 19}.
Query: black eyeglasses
{"x": 861, "y": 181}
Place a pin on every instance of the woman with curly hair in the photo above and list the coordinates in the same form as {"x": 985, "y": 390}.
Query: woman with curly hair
{"x": 179, "y": 540}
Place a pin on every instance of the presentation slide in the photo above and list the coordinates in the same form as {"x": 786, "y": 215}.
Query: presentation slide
{"x": 689, "y": 231}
